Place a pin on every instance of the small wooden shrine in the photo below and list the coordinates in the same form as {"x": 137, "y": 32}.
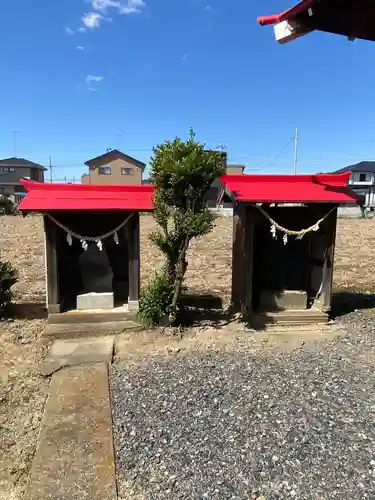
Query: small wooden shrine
{"x": 284, "y": 232}
{"x": 91, "y": 241}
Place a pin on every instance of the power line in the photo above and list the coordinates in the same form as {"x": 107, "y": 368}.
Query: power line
{"x": 15, "y": 132}
{"x": 295, "y": 153}
{"x": 283, "y": 150}
{"x": 257, "y": 157}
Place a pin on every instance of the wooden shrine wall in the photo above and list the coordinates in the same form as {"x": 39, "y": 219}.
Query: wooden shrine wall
{"x": 72, "y": 270}
{"x": 262, "y": 263}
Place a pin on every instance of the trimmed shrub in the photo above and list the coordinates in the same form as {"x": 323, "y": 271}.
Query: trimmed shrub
{"x": 8, "y": 277}
{"x": 155, "y": 299}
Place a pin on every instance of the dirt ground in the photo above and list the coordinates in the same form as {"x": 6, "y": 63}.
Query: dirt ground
{"x": 23, "y": 391}
{"x": 209, "y": 258}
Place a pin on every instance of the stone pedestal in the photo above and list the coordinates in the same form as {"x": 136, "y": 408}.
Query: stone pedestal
{"x": 95, "y": 301}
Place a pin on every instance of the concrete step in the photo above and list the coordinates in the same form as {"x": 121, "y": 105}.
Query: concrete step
{"x": 90, "y": 317}
{"x": 79, "y": 330}
{"x": 305, "y": 330}
{"x": 291, "y": 317}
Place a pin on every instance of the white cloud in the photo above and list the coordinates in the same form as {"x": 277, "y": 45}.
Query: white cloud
{"x": 184, "y": 57}
{"x": 121, "y": 6}
{"x": 92, "y": 20}
{"x": 100, "y": 9}
{"x": 80, "y": 47}
{"x": 132, "y": 7}
{"x": 103, "y": 5}
{"x": 69, "y": 31}
{"x": 93, "y": 78}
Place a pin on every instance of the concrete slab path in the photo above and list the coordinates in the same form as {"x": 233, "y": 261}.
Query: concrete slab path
{"x": 74, "y": 352}
{"x": 75, "y": 456}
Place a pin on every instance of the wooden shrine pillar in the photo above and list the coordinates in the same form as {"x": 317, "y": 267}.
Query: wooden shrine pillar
{"x": 51, "y": 266}
{"x": 330, "y": 230}
{"x": 242, "y": 259}
{"x": 133, "y": 239}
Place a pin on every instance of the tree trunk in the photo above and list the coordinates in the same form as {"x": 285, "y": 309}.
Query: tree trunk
{"x": 180, "y": 272}
{"x": 171, "y": 269}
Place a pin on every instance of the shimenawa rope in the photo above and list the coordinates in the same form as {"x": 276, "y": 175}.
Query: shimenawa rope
{"x": 290, "y": 232}
{"x": 84, "y": 239}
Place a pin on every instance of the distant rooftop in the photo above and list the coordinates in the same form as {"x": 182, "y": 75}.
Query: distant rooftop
{"x": 111, "y": 155}
{"x": 235, "y": 165}
{"x": 20, "y": 162}
{"x": 363, "y": 166}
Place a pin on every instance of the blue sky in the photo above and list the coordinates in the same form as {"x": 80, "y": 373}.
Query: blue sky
{"x": 81, "y": 76}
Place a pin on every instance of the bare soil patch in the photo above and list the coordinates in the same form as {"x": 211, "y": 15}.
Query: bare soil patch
{"x": 22, "y": 396}
{"x": 23, "y": 391}
{"x": 354, "y": 263}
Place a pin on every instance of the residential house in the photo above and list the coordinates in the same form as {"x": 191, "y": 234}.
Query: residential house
{"x": 217, "y": 197}
{"x": 362, "y": 181}
{"x": 12, "y": 170}
{"x": 114, "y": 167}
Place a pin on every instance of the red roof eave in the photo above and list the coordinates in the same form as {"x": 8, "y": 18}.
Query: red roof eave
{"x": 43, "y": 197}
{"x": 320, "y": 188}
{"x": 287, "y": 14}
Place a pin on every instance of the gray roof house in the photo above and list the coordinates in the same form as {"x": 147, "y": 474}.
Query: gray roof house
{"x": 14, "y": 169}
{"x": 362, "y": 180}
{"x": 362, "y": 166}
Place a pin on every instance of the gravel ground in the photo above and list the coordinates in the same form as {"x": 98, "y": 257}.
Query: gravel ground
{"x": 259, "y": 423}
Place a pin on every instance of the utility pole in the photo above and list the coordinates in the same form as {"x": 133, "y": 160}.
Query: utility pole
{"x": 295, "y": 152}
{"x": 50, "y": 169}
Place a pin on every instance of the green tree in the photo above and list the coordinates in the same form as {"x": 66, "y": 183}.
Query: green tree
{"x": 182, "y": 172}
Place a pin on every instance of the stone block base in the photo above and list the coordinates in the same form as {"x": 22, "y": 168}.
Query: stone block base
{"x": 133, "y": 305}
{"x": 283, "y": 301}
{"x": 89, "y": 301}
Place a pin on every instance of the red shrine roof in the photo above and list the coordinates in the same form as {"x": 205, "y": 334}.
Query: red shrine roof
{"x": 352, "y": 18}
{"x": 287, "y": 14}
{"x": 319, "y": 188}
{"x": 43, "y": 197}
